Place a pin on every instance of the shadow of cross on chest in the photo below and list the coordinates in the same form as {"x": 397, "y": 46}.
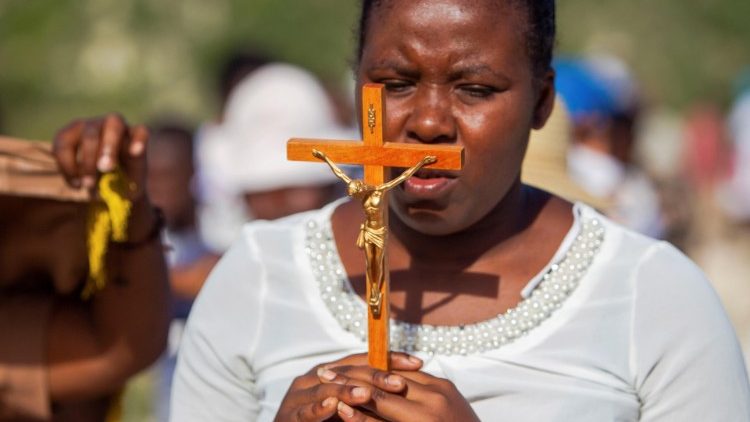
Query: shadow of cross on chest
{"x": 375, "y": 155}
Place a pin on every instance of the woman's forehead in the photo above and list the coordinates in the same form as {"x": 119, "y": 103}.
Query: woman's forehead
{"x": 460, "y": 32}
{"x": 435, "y": 20}
{"x": 449, "y": 11}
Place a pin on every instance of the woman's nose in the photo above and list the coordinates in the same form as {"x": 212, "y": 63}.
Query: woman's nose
{"x": 431, "y": 119}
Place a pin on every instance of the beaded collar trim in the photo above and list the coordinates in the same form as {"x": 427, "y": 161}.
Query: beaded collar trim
{"x": 556, "y": 285}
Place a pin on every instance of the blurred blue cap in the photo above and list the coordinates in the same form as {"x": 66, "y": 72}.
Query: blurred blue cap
{"x": 742, "y": 83}
{"x": 583, "y": 92}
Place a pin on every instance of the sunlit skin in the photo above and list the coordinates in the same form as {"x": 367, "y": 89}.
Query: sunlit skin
{"x": 448, "y": 80}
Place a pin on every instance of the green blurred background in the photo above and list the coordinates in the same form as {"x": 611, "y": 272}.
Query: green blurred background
{"x": 65, "y": 58}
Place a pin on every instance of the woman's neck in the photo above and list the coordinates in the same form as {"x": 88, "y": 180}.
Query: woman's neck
{"x": 501, "y": 229}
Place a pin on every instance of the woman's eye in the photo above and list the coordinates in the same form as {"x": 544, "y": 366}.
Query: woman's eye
{"x": 395, "y": 85}
{"x": 478, "y": 91}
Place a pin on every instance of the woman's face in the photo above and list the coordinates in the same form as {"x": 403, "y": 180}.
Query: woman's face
{"x": 456, "y": 72}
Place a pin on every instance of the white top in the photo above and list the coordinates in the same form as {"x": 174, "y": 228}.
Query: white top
{"x": 619, "y": 327}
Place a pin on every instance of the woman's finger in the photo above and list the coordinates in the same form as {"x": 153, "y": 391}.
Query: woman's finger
{"x": 398, "y": 360}
{"x": 351, "y": 414}
{"x": 65, "y": 148}
{"x": 359, "y": 375}
{"x": 419, "y": 377}
{"x": 318, "y": 411}
{"x": 134, "y": 157}
{"x": 138, "y": 138}
{"x": 351, "y": 393}
{"x": 404, "y": 362}
{"x": 391, "y": 406}
{"x": 113, "y": 132}
{"x": 89, "y": 152}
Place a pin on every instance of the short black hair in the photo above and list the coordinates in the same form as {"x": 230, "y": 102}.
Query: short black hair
{"x": 174, "y": 131}
{"x": 540, "y": 31}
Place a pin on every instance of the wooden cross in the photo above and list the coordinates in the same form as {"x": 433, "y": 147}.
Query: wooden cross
{"x": 376, "y": 155}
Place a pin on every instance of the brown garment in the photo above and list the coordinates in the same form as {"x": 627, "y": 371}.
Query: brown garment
{"x": 23, "y": 376}
{"x": 40, "y": 216}
{"x": 27, "y": 168}
{"x": 42, "y": 256}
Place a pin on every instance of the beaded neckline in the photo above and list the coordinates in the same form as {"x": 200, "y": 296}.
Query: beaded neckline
{"x": 555, "y": 285}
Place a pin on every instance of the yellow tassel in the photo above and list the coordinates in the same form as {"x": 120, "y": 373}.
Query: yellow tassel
{"x": 114, "y": 412}
{"x": 107, "y": 220}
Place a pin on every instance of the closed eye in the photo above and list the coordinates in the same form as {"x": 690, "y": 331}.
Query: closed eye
{"x": 396, "y": 86}
{"x": 478, "y": 91}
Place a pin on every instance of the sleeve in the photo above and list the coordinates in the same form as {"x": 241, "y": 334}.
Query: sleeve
{"x": 687, "y": 361}
{"x": 214, "y": 379}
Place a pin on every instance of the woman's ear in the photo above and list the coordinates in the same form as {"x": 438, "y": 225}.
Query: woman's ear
{"x": 545, "y": 99}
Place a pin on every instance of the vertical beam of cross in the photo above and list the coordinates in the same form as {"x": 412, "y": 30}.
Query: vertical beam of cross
{"x": 378, "y": 327}
{"x": 376, "y": 155}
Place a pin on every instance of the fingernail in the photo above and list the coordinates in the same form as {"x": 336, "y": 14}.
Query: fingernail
{"x": 359, "y": 392}
{"x": 345, "y": 409}
{"x": 414, "y": 359}
{"x": 326, "y": 374}
{"x": 104, "y": 164}
{"x": 88, "y": 182}
{"x": 136, "y": 149}
{"x": 393, "y": 380}
{"x": 329, "y": 402}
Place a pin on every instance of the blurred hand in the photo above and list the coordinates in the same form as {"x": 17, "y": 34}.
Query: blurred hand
{"x": 320, "y": 395}
{"x": 86, "y": 148}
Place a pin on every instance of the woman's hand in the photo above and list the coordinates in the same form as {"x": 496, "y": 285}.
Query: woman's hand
{"x": 322, "y": 394}
{"x": 86, "y": 148}
{"x": 424, "y": 398}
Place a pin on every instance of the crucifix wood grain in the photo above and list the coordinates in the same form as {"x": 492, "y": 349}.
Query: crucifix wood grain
{"x": 376, "y": 155}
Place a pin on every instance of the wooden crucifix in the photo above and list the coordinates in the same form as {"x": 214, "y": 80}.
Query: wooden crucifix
{"x": 375, "y": 155}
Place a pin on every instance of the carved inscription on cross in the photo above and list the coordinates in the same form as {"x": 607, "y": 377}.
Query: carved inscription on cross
{"x": 376, "y": 155}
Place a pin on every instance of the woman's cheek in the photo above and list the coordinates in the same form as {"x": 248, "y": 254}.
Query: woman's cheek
{"x": 396, "y": 115}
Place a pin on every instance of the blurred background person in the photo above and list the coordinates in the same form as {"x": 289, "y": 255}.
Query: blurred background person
{"x": 546, "y": 162}
{"x": 603, "y": 100}
{"x": 721, "y": 236}
{"x": 170, "y": 186}
{"x": 243, "y": 159}
{"x": 734, "y": 191}
{"x": 220, "y": 209}
{"x": 63, "y": 358}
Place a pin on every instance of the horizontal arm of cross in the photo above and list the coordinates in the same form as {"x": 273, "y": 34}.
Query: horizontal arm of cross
{"x": 391, "y": 154}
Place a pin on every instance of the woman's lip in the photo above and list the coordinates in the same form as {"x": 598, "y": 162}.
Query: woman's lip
{"x": 427, "y": 188}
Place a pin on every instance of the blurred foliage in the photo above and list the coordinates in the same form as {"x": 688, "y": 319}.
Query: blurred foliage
{"x": 65, "y": 58}
{"x": 683, "y": 52}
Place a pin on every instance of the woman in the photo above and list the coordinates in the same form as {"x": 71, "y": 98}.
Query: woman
{"x": 520, "y": 305}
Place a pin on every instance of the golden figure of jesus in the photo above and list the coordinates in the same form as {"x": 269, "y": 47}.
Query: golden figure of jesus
{"x": 373, "y": 232}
